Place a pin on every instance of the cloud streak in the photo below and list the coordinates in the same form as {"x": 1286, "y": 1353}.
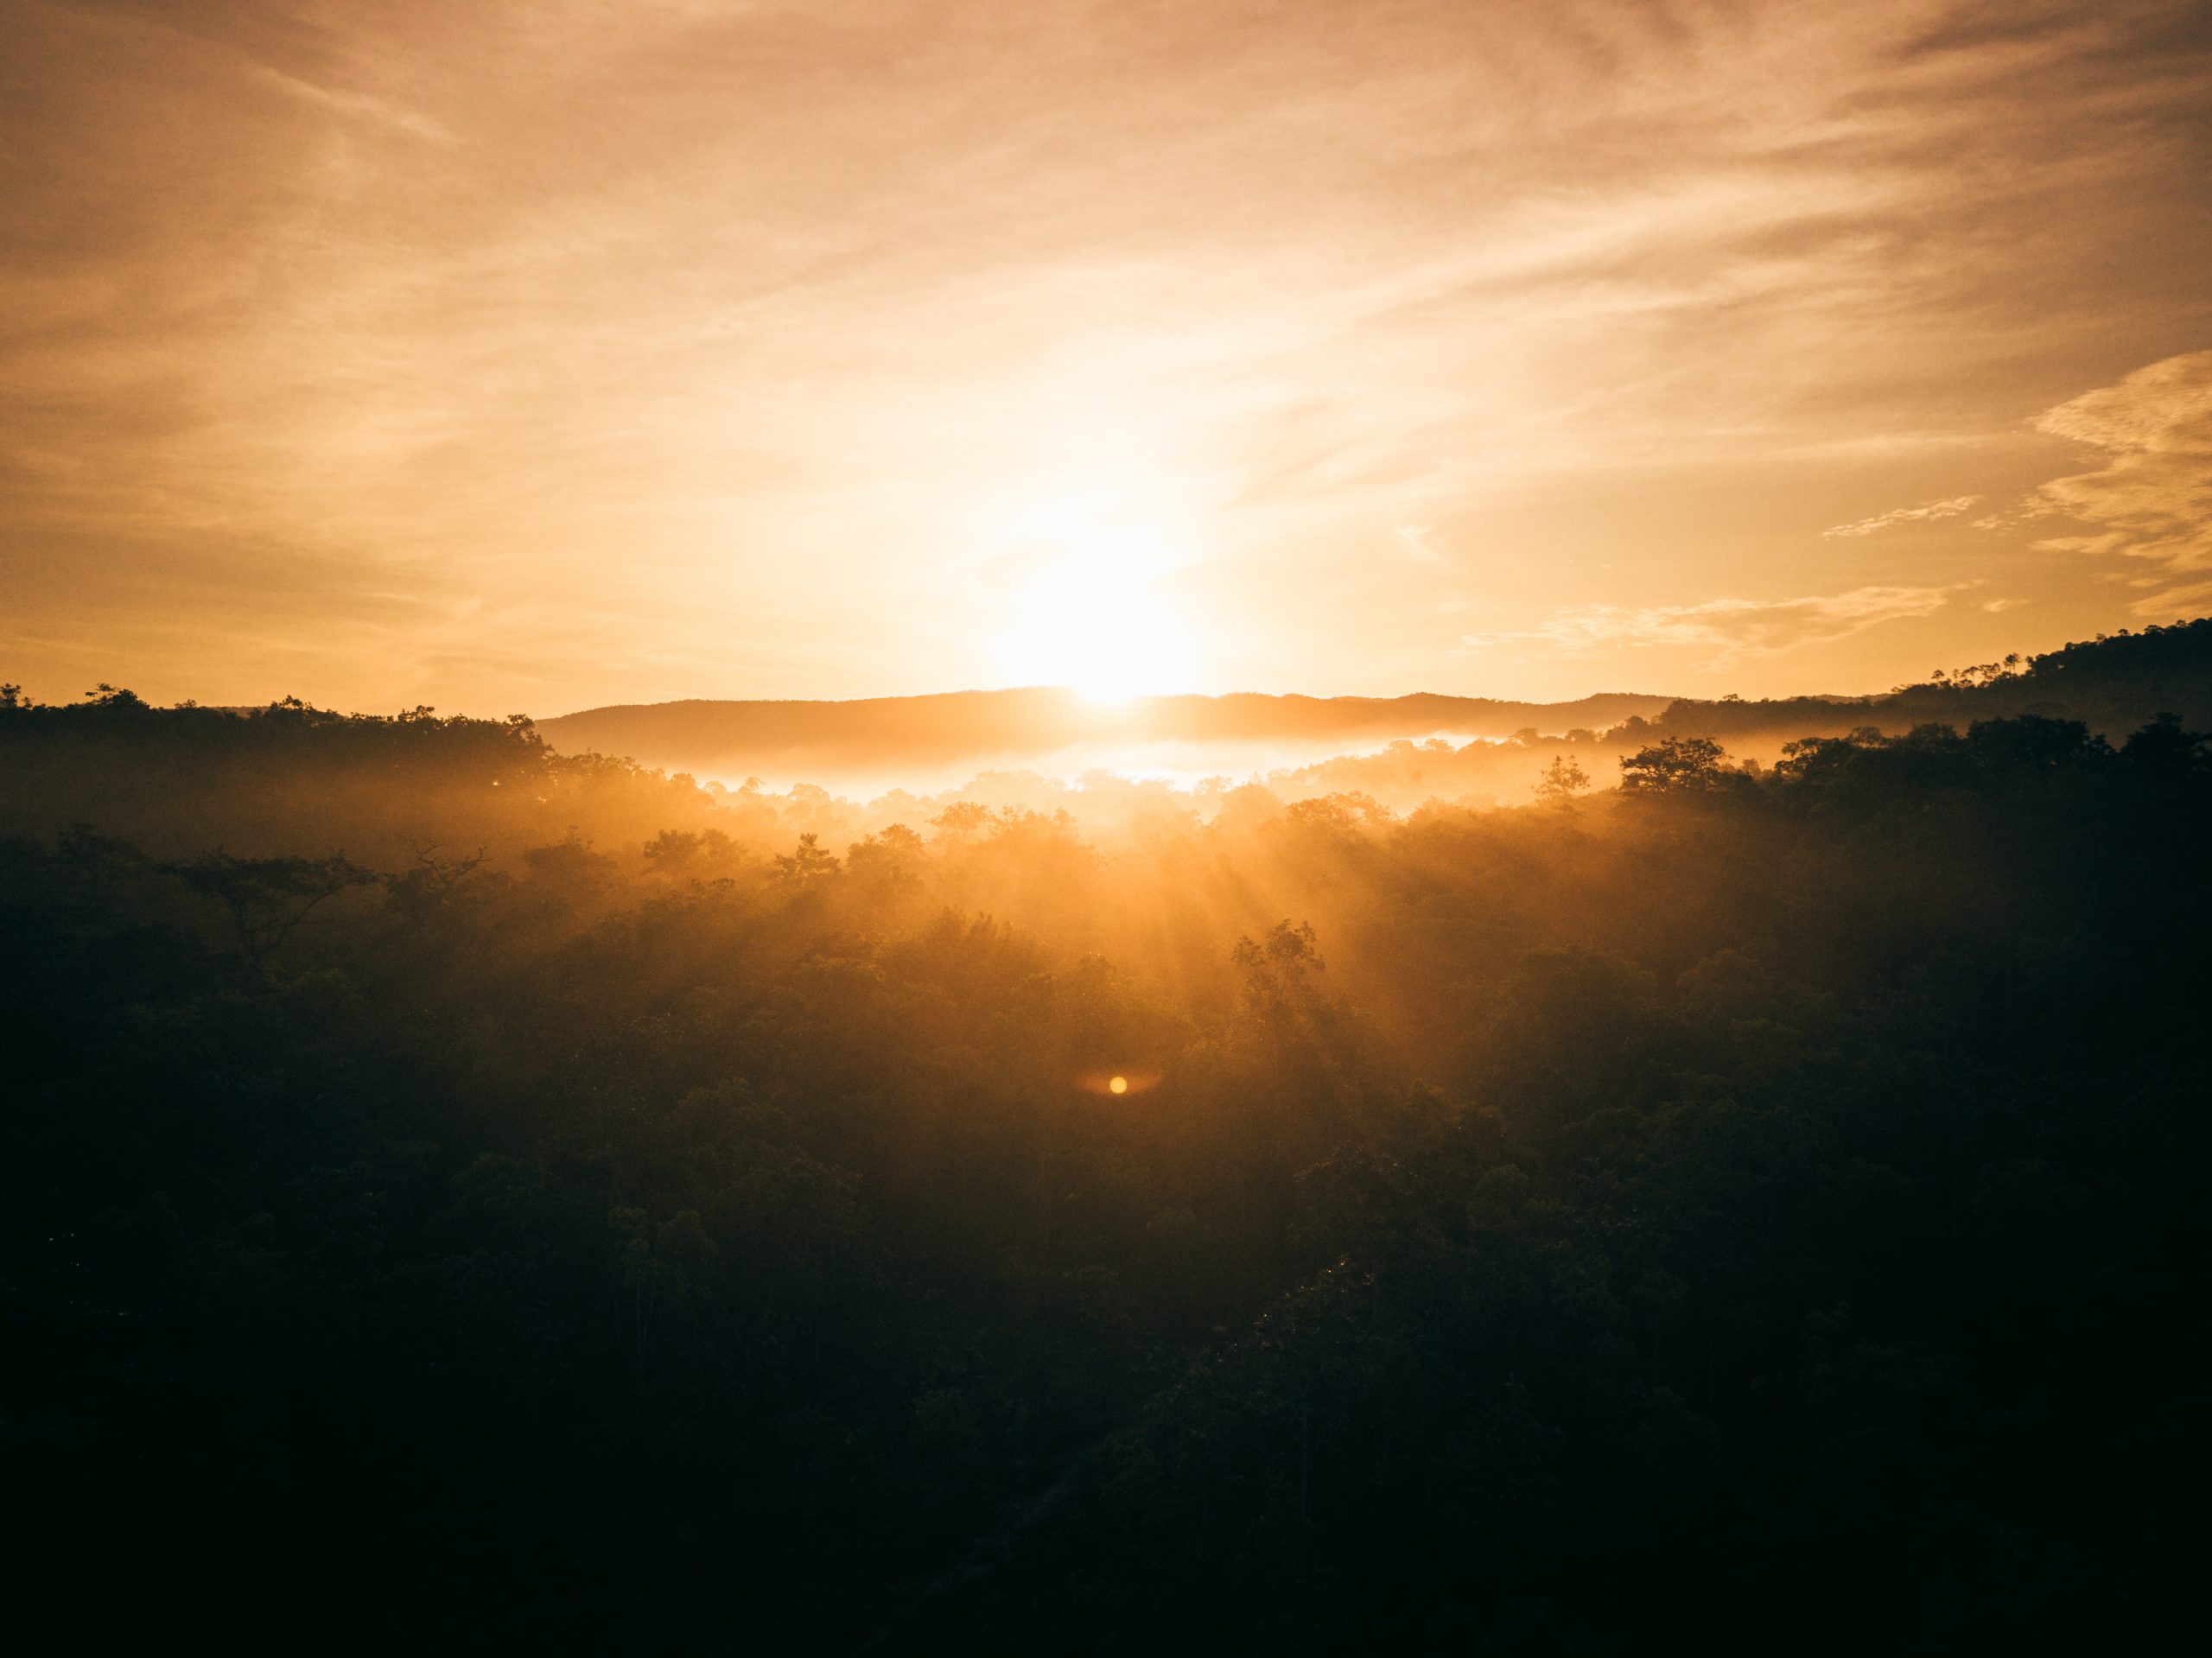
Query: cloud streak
{"x": 1736, "y": 627}
{"x": 1881, "y": 521}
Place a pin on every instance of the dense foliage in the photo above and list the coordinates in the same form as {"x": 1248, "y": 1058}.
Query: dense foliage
{"x": 1747, "y": 1206}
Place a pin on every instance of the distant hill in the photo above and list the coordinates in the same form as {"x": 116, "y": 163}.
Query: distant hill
{"x": 2112, "y": 685}
{"x": 976, "y": 729}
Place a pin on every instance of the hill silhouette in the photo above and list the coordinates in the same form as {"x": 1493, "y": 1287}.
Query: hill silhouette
{"x": 291, "y": 778}
{"x": 1035, "y": 725}
{"x": 2112, "y": 685}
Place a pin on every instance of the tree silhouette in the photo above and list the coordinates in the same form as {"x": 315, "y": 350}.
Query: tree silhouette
{"x": 1561, "y": 780}
{"x": 1674, "y": 766}
{"x": 806, "y": 863}
{"x": 268, "y": 900}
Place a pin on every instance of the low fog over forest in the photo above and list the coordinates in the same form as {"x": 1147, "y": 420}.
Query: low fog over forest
{"x": 860, "y": 747}
{"x": 1725, "y": 1171}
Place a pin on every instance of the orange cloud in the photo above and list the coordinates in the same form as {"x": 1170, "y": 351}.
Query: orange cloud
{"x": 2152, "y": 500}
{"x": 1880, "y": 521}
{"x": 1737, "y": 627}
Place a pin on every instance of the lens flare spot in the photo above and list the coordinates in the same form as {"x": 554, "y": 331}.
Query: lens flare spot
{"x": 1124, "y": 1084}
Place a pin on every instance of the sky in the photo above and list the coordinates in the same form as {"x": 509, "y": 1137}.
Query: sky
{"x": 528, "y": 358}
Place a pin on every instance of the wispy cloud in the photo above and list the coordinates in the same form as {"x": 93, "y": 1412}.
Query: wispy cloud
{"x": 1415, "y": 538}
{"x": 1881, "y": 521}
{"x": 723, "y": 331}
{"x": 2152, "y": 500}
{"x": 1736, "y": 627}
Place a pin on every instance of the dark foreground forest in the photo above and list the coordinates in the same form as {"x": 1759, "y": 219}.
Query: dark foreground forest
{"x": 1743, "y": 1207}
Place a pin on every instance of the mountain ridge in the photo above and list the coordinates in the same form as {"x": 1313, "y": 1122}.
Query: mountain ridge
{"x": 2111, "y": 683}
{"x": 1032, "y": 722}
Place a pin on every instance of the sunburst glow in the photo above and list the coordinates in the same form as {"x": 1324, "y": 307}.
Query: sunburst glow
{"x": 1089, "y": 603}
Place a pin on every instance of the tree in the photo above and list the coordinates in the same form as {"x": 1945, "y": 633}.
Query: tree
{"x": 2029, "y": 742}
{"x": 434, "y": 883}
{"x": 109, "y": 700}
{"x": 1561, "y": 780}
{"x": 1674, "y": 766}
{"x": 1278, "y": 977}
{"x": 961, "y": 821}
{"x": 671, "y": 851}
{"x": 2164, "y": 748}
{"x": 807, "y": 863}
{"x": 269, "y": 898}
{"x": 569, "y": 866}
{"x": 890, "y": 861}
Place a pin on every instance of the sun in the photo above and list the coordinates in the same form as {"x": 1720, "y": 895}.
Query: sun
{"x": 1090, "y": 620}
{"x": 1088, "y": 605}
{"x": 1118, "y": 1084}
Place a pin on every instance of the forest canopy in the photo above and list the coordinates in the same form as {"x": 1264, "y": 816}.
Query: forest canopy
{"x": 451, "y": 1179}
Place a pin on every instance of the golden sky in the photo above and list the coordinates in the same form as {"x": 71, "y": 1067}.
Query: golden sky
{"x": 535, "y": 356}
